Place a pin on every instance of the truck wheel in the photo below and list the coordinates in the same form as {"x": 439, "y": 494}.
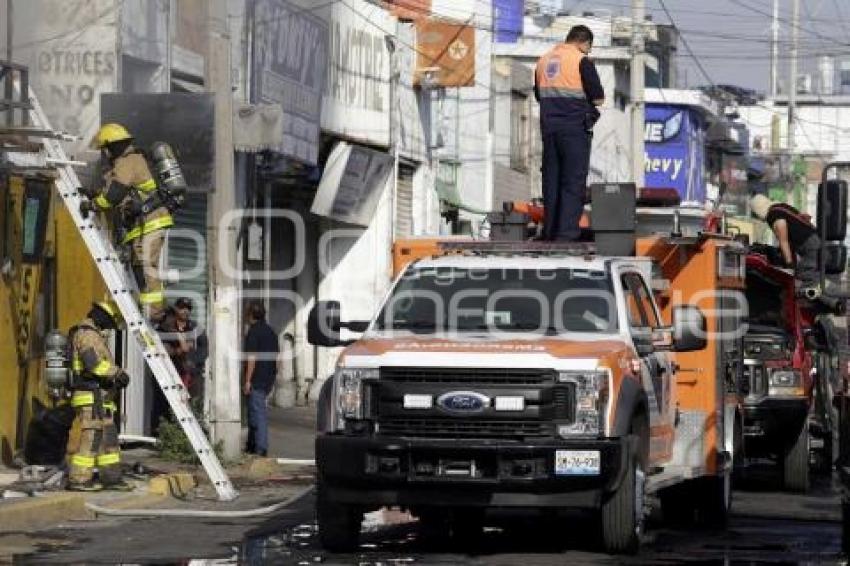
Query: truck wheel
{"x": 622, "y": 511}
{"x": 339, "y": 525}
{"x": 796, "y": 463}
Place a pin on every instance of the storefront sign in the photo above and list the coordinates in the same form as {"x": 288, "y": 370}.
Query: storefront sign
{"x": 446, "y": 54}
{"x": 357, "y": 100}
{"x": 290, "y": 66}
{"x": 352, "y": 183}
{"x": 675, "y": 148}
{"x": 70, "y": 48}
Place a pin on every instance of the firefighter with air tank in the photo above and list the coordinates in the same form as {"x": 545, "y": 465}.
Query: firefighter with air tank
{"x": 144, "y": 205}
{"x": 95, "y": 382}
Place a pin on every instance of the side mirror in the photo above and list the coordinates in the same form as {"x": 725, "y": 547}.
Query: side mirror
{"x": 323, "y": 324}
{"x": 835, "y": 261}
{"x": 689, "y": 329}
{"x": 832, "y": 209}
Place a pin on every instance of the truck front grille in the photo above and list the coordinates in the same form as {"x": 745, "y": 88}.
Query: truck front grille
{"x": 468, "y": 376}
{"x": 464, "y": 428}
{"x": 756, "y": 376}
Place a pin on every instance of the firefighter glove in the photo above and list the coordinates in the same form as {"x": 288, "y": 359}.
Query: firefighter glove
{"x": 121, "y": 379}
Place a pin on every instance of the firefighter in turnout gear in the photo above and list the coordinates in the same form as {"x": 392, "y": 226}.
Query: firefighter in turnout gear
{"x": 130, "y": 189}
{"x": 93, "y": 442}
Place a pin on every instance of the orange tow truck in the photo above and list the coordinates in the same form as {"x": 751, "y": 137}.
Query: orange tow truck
{"x": 539, "y": 377}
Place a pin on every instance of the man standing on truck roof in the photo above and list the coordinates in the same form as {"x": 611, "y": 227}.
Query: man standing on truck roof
{"x": 568, "y": 89}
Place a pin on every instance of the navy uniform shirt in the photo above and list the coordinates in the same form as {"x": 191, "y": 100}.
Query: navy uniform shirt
{"x": 565, "y": 84}
{"x": 262, "y": 341}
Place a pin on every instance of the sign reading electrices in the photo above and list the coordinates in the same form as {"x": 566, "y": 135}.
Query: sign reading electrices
{"x": 674, "y": 139}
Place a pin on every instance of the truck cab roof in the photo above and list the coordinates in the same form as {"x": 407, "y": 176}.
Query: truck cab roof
{"x": 528, "y": 261}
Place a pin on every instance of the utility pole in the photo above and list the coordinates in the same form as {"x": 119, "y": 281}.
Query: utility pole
{"x": 225, "y": 418}
{"x": 792, "y": 79}
{"x": 774, "y": 51}
{"x": 637, "y": 88}
{"x": 9, "y": 31}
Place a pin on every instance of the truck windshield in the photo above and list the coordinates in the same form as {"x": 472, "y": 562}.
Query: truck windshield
{"x": 541, "y": 301}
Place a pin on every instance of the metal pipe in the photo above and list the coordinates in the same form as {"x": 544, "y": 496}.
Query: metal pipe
{"x": 9, "y": 31}
{"x": 792, "y": 80}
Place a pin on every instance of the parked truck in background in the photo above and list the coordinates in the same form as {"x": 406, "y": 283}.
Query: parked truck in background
{"x": 778, "y": 372}
{"x": 538, "y": 378}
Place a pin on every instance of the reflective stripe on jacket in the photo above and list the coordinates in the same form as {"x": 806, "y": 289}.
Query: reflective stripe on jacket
{"x": 152, "y": 223}
{"x": 91, "y": 358}
{"x": 560, "y": 89}
{"x": 131, "y": 171}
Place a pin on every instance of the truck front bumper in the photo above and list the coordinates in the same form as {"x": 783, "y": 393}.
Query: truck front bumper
{"x": 386, "y": 471}
{"x": 772, "y": 424}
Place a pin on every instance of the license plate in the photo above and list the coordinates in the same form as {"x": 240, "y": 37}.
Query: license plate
{"x": 577, "y": 462}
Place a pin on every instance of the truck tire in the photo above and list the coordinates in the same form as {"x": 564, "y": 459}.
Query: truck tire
{"x": 339, "y": 525}
{"x": 622, "y": 517}
{"x": 795, "y": 463}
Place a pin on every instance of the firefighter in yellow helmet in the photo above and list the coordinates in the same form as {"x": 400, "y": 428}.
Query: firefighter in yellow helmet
{"x": 130, "y": 188}
{"x": 93, "y": 442}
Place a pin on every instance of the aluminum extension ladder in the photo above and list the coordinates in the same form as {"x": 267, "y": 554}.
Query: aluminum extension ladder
{"x": 121, "y": 288}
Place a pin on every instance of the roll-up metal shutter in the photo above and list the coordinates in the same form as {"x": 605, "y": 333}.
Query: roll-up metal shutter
{"x": 187, "y": 252}
{"x": 404, "y": 201}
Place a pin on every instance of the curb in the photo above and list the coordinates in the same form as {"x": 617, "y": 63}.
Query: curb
{"x": 268, "y": 468}
{"x": 37, "y": 512}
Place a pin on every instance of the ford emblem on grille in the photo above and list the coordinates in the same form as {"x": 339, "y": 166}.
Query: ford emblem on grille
{"x": 463, "y": 402}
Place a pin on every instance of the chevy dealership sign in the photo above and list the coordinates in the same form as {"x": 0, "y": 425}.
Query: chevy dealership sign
{"x": 675, "y": 149}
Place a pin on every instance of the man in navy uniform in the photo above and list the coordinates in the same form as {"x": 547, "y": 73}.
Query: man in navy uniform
{"x": 568, "y": 89}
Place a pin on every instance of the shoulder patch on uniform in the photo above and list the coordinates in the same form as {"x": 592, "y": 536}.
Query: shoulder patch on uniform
{"x": 553, "y": 67}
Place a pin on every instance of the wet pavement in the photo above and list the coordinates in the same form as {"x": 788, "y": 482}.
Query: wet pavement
{"x": 767, "y": 527}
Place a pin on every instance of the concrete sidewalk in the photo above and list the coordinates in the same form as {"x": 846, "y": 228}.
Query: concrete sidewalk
{"x": 170, "y": 485}
{"x": 292, "y": 432}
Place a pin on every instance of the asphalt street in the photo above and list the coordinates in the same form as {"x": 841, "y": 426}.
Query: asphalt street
{"x": 767, "y": 527}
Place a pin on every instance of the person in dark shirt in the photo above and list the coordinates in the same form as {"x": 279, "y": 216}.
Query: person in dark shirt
{"x": 188, "y": 348}
{"x": 569, "y": 91}
{"x": 261, "y": 352}
{"x": 796, "y": 236}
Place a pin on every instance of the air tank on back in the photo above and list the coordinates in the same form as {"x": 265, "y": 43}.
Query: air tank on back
{"x": 169, "y": 174}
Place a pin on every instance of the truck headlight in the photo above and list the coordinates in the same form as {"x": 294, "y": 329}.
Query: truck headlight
{"x": 784, "y": 382}
{"x": 349, "y": 391}
{"x": 591, "y": 402}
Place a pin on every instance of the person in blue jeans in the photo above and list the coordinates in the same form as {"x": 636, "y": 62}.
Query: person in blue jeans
{"x": 261, "y": 351}
{"x": 569, "y": 91}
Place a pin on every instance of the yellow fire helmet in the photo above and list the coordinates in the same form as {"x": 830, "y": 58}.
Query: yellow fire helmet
{"x": 110, "y": 308}
{"x": 109, "y": 133}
